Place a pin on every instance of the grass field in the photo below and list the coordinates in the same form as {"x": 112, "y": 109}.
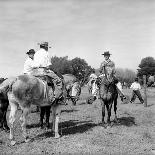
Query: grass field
{"x": 82, "y": 133}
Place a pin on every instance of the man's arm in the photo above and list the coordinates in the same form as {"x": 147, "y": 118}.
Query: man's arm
{"x": 101, "y": 70}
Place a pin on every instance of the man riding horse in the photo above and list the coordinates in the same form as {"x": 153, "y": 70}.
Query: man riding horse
{"x": 106, "y": 65}
{"x": 39, "y": 64}
{"x": 108, "y": 91}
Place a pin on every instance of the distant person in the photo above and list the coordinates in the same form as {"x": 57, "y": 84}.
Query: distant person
{"x": 29, "y": 63}
{"x": 92, "y": 77}
{"x": 110, "y": 65}
{"x": 135, "y": 86}
{"x": 42, "y": 60}
{"x": 151, "y": 80}
{"x": 93, "y": 88}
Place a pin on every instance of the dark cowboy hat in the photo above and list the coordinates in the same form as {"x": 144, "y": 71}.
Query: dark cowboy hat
{"x": 44, "y": 44}
{"x": 31, "y": 51}
{"x": 106, "y": 53}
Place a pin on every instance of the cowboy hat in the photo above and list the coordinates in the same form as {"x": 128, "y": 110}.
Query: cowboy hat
{"x": 106, "y": 53}
{"x": 44, "y": 44}
{"x": 31, "y": 51}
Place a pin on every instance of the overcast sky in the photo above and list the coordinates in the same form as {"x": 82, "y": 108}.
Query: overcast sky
{"x": 77, "y": 28}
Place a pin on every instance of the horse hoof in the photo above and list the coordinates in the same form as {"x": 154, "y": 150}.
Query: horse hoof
{"x": 27, "y": 140}
{"x": 108, "y": 126}
{"x": 103, "y": 125}
{"x": 57, "y": 136}
{"x": 13, "y": 142}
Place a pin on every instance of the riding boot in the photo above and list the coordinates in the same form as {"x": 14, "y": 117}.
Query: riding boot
{"x": 58, "y": 85}
{"x": 58, "y": 89}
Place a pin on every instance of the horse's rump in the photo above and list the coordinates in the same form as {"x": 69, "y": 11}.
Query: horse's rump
{"x": 30, "y": 90}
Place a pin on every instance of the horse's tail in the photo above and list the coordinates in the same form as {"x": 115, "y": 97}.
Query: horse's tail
{"x": 6, "y": 85}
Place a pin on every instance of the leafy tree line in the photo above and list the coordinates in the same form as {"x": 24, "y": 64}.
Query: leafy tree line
{"x": 125, "y": 75}
{"x": 80, "y": 68}
{"x": 77, "y": 66}
{"x": 146, "y": 67}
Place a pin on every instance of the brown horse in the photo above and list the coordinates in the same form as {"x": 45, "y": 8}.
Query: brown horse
{"x": 23, "y": 91}
{"x": 108, "y": 95}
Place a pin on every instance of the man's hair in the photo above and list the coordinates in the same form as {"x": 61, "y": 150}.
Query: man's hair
{"x": 42, "y": 46}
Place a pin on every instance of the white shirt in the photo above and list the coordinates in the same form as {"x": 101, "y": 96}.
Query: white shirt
{"x": 28, "y": 66}
{"x": 42, "y": 58}
{"x": 93, "y": 76}
{"x": 135, "y": 86}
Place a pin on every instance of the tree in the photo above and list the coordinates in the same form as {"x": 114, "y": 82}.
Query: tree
{"x": 77, "y": 66}
{"x": 61, "y": 65}
{"x": 80, "y": 68}
{"x": 146, "y": 67}
{"x": 125, "y": 75}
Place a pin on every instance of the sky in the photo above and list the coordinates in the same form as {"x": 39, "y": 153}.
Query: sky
{"x": 77, "y": 28}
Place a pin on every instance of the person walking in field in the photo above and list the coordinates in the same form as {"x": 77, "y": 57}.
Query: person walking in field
{"x": 135, "y": 86}
{"x": 91, "y": 82}
{"x": 107, "y": 64}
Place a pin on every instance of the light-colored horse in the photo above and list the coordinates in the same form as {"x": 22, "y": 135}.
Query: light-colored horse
{"x": 24, "y": 91}
{"x": 71, "y": 91}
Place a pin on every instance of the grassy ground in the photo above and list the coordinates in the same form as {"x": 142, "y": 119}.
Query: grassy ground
{"x": 82, "y": 133}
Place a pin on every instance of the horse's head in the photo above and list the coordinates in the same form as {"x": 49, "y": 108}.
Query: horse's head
{"x": 109, "y": 74}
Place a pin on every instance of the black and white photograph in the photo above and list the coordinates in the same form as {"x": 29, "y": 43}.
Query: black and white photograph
{"x": 77, "y": 77}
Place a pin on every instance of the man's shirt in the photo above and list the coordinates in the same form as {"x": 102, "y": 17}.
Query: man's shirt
{"x": 42, "y": 58}
{"x": 109, "y": 65}
{"x": 28, "y": 66}
{"x": 135, "y": 86}
{"x": 93, "y": 76}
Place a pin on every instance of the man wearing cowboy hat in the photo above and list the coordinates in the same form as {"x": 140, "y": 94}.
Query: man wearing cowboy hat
{"x": 107, "y": 64}
{"x": 29, "y": 63}
{"x": 42, "y": 60}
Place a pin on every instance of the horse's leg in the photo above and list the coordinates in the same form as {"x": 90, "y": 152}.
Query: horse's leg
{"x": 42, "y": 113}
{"x": 12, "y": 118}
{"x": 109, "y": 112}
{"x": 103, "y": 111}
{"x": 53, "y": 118}
{"x": 108, "y": 118}
{"x": 24, "y": 123}
{"x": 48, "y": 108}
{"x": 56, "y": 115}
{"x": 115, "y": 109}
{"x": 5, "y": 125}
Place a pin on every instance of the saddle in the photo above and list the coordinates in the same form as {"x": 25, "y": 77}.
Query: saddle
{"x": 41, "y": 74}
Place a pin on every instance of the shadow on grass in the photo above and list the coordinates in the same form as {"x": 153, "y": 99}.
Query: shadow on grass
{"x": 150, "y": 105}
{"x": 29, "y": 126}
{"x": 82, "y": 103}
{"x": 70, "y": 127}
{"x": 126, "y": 121}
{"x": 70, "y": 110}
{"x": 73, "y": 127}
